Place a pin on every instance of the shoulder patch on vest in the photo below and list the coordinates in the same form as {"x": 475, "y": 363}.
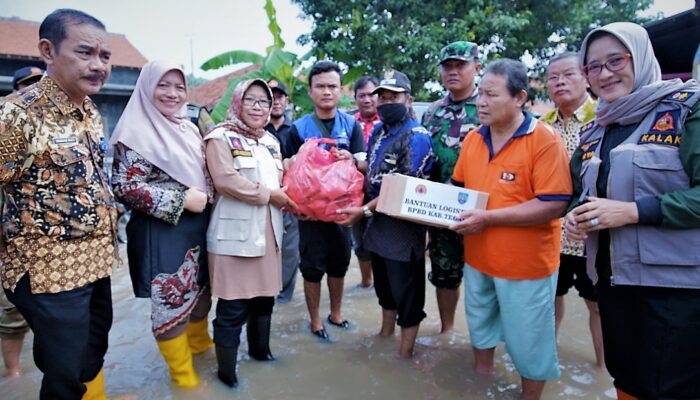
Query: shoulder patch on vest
{"x": 587, "y": 127}
{"x": 681, "y": 96}
{"x": 664, "y": 130}
{"x": 665, "y": 121}
{"x": 235, "y": 143}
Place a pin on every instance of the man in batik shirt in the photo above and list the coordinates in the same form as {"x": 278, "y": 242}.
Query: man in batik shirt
{"x": 567, "y": 88}
{"x": 449, "y": 120}
{"x": 59, "y": 216}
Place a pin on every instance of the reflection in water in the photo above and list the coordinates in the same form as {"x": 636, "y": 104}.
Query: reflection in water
{"x": 357, "y": 365}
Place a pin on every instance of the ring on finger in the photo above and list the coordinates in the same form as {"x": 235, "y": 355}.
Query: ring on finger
{"x": 594, "y": 222}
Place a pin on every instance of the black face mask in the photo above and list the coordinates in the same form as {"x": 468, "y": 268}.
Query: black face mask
{"x": 392, "y": 113}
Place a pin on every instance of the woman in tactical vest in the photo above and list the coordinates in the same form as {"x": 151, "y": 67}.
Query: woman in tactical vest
{"x": 245, "y": 233}
{"x": 637, "y": 177}
{"x": 159, "y": 172}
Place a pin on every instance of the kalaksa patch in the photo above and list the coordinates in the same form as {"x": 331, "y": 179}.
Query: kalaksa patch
{"x": 664, "y": 129}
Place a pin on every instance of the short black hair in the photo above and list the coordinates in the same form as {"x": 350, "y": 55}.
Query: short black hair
{"x": 324, "y": 66}
{"x": 364, "y": 81}
{"x": 53, "y": 27}
{"x": 515, "y": 73}
{"x": 563, "y": 55}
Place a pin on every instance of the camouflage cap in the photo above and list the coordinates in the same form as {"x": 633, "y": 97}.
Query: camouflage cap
{"x": 394, "y": 81}
{"x": 461, "y": 50}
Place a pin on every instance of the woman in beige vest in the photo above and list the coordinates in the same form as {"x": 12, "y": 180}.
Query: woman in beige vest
{"x": 245, "y": 233}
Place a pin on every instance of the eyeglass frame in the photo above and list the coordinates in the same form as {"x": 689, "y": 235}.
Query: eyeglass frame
{"x": 555, "y": 78}
{"x": 246, "y": 101}
{"x": 626, "y": 57}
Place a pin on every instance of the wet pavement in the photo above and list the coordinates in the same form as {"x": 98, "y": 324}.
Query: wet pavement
{"x": 357, "y": 365}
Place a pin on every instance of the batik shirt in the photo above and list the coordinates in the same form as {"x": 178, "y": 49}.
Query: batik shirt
{"x": 59, "y": 216}
{"x": 570, "y": 134}
{"x": 449, "y": 122}
{"x": 404, "y": 149}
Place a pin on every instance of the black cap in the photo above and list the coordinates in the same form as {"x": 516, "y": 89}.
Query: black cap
{"x": 25, "y": 74}
{"x": 394, "y": 81}
{"x": 274, "y": 84}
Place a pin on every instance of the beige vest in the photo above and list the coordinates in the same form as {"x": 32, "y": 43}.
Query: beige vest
{"x": 237, "y": 228}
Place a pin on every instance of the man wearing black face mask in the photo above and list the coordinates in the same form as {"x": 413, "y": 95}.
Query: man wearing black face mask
{"x": 398, "y": 144}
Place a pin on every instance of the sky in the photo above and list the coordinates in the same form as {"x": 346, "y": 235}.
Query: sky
{"x": 189, "y": 32}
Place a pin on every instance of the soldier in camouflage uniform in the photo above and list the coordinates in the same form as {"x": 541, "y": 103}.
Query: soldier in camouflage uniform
{"x": 449, "y": 120}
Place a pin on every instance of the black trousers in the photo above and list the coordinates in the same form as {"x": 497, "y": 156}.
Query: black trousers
{"x": 231, "y": 315}
{"x": 651, "y": 341}
{"x": 70, "y": 334}
{"x": 400, "y": 286}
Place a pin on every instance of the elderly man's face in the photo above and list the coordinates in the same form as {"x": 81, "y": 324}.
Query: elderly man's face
{"x": 495, "y": 105}
{"x": 566, "y": 84}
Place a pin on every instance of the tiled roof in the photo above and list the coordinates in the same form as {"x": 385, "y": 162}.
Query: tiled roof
{"x": 19, "y": 38}
{"x": 208, "y": 94}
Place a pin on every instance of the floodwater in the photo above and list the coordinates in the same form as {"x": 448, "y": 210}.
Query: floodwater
{"x": 357, "y": 365}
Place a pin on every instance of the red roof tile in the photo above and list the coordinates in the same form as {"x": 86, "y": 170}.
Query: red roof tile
{"x": 19, "y": 38}
{"x": 208, "y": 94}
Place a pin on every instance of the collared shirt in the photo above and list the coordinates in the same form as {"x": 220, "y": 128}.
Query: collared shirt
{"x": 532, "y": 164}
{"x": 282, "y": 134}
{"x": 59, "y": 216}
{"x": 367, "y": 124}
{"x": 404, "y": 149}
{"x": 448, "y": 122}
{"x": 570, "y": 133}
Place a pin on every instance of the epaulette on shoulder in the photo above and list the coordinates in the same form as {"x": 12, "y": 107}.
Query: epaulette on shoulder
{"x": 680, "y": 96}
{"x": 586, "y": 127}
{"x": 25, "y": 98}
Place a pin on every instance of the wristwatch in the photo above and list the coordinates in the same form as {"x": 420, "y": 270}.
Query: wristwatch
{"x": 367, "y": 211}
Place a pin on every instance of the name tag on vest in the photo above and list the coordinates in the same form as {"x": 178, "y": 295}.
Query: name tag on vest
{"x": 65, "y": 140}
{"x": 589, "y": 149}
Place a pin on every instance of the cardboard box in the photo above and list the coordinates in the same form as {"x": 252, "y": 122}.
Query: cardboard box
{"x": 426, "y": 202}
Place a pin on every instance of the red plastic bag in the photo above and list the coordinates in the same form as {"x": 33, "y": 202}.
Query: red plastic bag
{"x": 320, "y": 185}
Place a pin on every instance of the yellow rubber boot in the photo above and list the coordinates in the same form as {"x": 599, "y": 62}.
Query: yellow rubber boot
{"x": 96, "y": 388}
{"x": 178, "y": 356}
{"x": 198, "y": 336}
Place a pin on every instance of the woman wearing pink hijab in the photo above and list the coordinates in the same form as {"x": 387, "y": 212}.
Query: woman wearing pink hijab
{"x": 159, "y": 173}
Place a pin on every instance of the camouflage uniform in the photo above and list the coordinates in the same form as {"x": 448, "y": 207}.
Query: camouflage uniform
{"x": 448, "y": 122}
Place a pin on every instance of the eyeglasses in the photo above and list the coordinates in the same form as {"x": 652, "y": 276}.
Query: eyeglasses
{"x": 614, "y": 63}
{"x": 251, "y": 102}
{"x": 567, "y": 76}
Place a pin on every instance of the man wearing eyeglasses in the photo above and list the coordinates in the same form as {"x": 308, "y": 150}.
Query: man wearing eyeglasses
{"x": 567, "y": 88}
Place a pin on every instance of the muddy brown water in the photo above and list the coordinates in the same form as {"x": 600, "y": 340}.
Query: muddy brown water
{"x": 357, "y": 365}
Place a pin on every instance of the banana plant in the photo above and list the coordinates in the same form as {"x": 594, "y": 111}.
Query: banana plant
{"x": 277, "y": 63}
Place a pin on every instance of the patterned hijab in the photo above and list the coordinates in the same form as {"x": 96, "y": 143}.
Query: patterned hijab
{"x": 648, "y": 88}
{"x": 172, "y": 143}
{"x": 234, "y": 121}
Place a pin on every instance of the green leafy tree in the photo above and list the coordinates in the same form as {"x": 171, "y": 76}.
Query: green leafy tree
{"x": 276, "y": 63}
{"x": 371, "y": 35}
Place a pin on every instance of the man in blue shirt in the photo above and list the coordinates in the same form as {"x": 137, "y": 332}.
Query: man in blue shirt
{"x": 325, "y": 246}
